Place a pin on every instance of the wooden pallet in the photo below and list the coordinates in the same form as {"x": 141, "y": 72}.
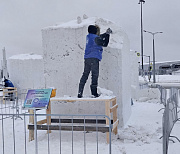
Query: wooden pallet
{"x": 108, "y": 110}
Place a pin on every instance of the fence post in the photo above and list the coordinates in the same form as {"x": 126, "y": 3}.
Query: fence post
{"x": 35, "y": 128}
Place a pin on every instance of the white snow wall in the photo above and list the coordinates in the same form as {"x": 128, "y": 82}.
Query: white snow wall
{"x": 26, "y": 71}
{"x": 63, "y": 52}
{"x": 134, "y": 73}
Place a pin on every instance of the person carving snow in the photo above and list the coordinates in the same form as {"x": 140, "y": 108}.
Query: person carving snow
{"x": 92, "y": 56}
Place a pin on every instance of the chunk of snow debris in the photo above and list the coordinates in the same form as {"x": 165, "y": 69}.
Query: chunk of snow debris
{"x": 104, "y": 92}
{"x": 79, "y": 20}
{"x": 85, "y": 16}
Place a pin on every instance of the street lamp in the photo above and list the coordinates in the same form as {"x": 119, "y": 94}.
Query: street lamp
{"x": 141, "y": 2}
{"x": 154, "y": 79}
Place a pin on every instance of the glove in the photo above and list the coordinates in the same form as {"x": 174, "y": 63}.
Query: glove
{"x": 108, "y": 31}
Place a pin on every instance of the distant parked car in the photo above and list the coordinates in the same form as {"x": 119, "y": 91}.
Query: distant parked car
{"x": 175, "y": 67}
{"x": 165, "y": 69}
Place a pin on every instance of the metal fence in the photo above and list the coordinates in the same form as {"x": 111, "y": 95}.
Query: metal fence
{"x": 170, "y": 117}
{"x": 157, "y": 72}
{"x": 14, "y": 106}
{"x": 163, "y": 96}
{"x": 14, "y": 135}
{"x": 9, "y": 107}
{"x": 143, "y": 85}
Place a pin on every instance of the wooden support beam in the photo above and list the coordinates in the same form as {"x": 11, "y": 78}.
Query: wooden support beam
{"x": 70, "y": 128}
{"x": 113, "y": 108}
{"x": 48, "y": 111}
{"x": 42, "y": 122}
{"x": 115, "y": 124}
{"x": 12, "y": 91}
{"x": 115, "y": 116}
{"x": 31, "y": 121}
{"x": 113, "y": 99}
{"x": 90, "y": 121}
{"x": 107, "y": 111}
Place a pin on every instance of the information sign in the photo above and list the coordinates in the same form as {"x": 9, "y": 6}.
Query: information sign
{"x": 37, "y": 98}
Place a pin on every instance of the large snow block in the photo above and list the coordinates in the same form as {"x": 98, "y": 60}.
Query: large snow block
{"x": 63, "y": 51}
{"x": 134, "y": 73}
{"x": 26, "y": 71}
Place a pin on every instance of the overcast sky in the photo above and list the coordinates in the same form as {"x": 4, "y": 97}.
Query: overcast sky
{"x": 21, "y": 22}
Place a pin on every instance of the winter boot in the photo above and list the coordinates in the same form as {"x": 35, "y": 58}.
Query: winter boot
{"x": 80, "y": 91}
{"x": 94, "y": 91}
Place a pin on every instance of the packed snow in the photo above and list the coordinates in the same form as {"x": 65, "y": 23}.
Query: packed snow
{"x": 141, "y": 135}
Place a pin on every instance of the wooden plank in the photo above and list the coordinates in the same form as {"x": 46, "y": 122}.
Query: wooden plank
{"x": 9, "y": 88}
{"x": 115, "y": 124}
{"x": 3, "y": 97}
{"x": 115, "y": 116}
{"x": 81, "y": 99}
{"x": 12, "y": 91}
{"x": 70, "y": 128}
{"x": 89, "y": 121}
{"x": 112, "y": 99}
{"x": 107, "y": 112}
{"x": 70, "y": 101}
{"x": 42, "y": 122}
{"x": 31, "y": 120}
{"x": 113, "y": 108}
{"x": 48, "y": 111}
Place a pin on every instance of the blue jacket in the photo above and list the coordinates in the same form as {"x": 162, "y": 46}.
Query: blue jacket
{"x": 94, "y": 45}
{"x": 8, "y": 83}
{"x": 92, "y": 49}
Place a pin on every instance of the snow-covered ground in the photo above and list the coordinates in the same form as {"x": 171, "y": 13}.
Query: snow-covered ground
{"x": 140, "y": 135}
{"x": 143, "y": 130}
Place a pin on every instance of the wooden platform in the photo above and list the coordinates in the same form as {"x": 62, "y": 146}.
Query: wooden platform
{"x": 8, "y": 90}
{"x": 110, "y": 107}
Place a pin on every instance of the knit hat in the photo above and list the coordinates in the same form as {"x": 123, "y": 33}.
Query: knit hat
{"x": 92, "y": 29}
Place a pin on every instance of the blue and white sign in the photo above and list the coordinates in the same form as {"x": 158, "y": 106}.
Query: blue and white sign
{"x": 37, "y": 98}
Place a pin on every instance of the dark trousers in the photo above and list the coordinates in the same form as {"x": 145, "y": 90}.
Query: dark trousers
{"x": 90, "y": 65}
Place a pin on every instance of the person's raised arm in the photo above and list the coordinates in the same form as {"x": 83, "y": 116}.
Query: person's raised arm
{"x": 103, "y": 39}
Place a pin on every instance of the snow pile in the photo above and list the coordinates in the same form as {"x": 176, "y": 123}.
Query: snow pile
{"x": 104, "y": 92}
{"x": 139, "y": 135}
{"x": 143, "y": 127}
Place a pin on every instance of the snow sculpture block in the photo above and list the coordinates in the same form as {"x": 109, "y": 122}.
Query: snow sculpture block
{"x": 134, "y": 73}
{"x": 63, "y": 51}
{"x": 26, "y": 71}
